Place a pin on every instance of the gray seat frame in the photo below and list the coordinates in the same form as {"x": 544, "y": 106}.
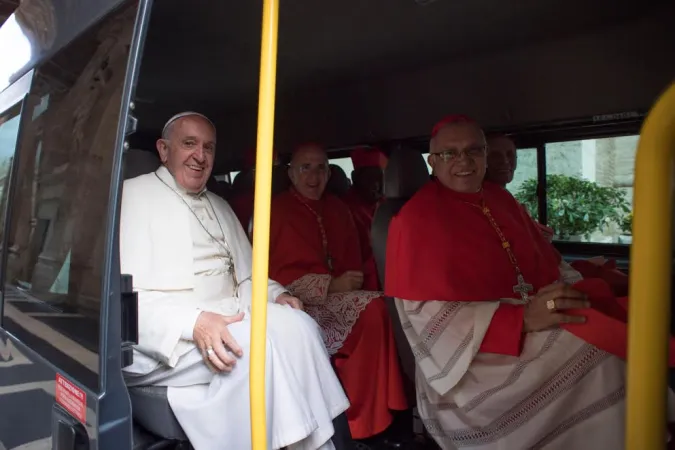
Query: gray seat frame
{"x": 405, "y": 174}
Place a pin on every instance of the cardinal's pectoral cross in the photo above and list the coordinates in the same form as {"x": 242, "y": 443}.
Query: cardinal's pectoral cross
{"x": 523, "y": 288}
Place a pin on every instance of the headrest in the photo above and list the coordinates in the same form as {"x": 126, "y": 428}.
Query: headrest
{"x": 250, "y": 157}
{"x": 405, "y": 173}
{"x": 139, "y": 162}
{"x": 244, "y": 181}
{"x": 368, "y": 157}
{"x": 338, "y": 183}
{"x": 280, "y": 180}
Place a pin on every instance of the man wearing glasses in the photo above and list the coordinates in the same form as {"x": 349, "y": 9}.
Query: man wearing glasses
{"x": 508, "y": 354}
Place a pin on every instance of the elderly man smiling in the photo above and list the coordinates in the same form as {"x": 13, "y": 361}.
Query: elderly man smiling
{"x": 509, "y": 355}
{"x": 191, "y": 264}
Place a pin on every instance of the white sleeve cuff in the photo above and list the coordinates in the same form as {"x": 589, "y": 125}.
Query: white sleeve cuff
{"x": 189, "y": 325}
{"x": 274, "y": 290}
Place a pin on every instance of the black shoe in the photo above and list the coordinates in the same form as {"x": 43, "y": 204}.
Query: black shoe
{"x": 391, "y": 444}
{"x": 361, "y": 446}
{"x": 382, "y": 443}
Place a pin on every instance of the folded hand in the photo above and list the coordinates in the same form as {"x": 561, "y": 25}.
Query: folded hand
{"x": 287, "y": 299}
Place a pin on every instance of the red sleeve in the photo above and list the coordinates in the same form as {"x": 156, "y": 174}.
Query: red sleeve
{"x": 505, "y": 333}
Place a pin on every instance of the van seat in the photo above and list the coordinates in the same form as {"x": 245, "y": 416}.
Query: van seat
{"x": 338, "y": 183}
{"x": 405, "y": 174}
{"x": 151, "y": 410}
{"x": 139, "y": 162}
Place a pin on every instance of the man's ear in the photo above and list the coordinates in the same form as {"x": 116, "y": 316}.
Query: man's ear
{"x": 431, "y": 161}
{"x": 162, "y": 149}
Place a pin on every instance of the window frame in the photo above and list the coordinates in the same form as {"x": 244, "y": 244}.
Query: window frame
{"x": 15, "y": 96}
{"x": 537, "y": 135}
{"x": 595, "y": 127}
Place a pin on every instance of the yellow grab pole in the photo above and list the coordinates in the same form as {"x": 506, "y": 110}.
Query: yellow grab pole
{"x": 261, "y": 219}
{"x": 650, "y": 269}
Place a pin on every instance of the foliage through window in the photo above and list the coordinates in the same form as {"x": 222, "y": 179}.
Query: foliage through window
{"x": 589, "y": 189}
{"x": 576, "y": 207}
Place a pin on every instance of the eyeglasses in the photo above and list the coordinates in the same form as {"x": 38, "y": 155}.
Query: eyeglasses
{"x": 306, "y": 168}
{"x": 453, "y": 154}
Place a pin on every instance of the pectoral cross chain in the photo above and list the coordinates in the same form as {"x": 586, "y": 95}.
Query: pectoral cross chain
{"x": 523, "y": 288}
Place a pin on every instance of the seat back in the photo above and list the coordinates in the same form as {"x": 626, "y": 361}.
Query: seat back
{"x": 338, "y": 183}
{"x": 151, "y": 410}
{"x": 280, "y": 180}
{"x": 244, "y": 181}
{"x": 222, "y": 189}
{"x": 139, "y": 162}
{"x": 405, "y": 174}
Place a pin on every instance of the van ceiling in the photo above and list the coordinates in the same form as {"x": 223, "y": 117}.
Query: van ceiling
{"x": 322, "y": 43}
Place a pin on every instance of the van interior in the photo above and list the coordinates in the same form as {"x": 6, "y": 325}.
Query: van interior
{"x": 569, "y": 80}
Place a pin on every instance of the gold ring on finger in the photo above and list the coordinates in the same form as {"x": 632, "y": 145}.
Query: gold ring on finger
{"x": 550, "y": 305}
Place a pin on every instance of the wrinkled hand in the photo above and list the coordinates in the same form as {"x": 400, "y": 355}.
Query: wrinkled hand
{"x": 538, "y": 316}
{"x": 211, "y": 333}
{"x": 351, "y": 280}
{"x": 287, "y": 299}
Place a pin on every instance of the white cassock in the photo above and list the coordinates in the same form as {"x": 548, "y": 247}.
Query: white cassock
{"x": 177, "y": 247}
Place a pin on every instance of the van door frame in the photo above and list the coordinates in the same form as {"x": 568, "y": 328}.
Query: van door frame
{"x": 112, "y": 422}
{"x": 13, "y": 95}
{"x": 115, "y": 422}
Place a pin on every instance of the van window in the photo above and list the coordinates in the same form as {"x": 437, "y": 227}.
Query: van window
{"x": 345, "y": 164}
{"x": 526, "y": 169}
{"x": 9, "y": 133}
{"x": 589, "y": 188}
{"x": 58, "y": 220}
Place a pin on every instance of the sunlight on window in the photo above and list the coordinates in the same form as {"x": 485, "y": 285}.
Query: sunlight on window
{"x": 426, "y": 160}
{"x": 345, "y": 164}
{"x": 15, "y": 49}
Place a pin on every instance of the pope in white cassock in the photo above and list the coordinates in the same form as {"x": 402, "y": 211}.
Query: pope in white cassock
{"x": 191, "y": 265}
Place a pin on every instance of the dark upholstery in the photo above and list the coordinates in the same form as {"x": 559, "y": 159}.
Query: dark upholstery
{"x": 243, "y": 181}
{"x": 151, "y": 410}
{"x": 338, "y": 183}
{"x": 139, "y": 162}
{"x": 405, "y": 173}
{"x": 280, "y": 180}
{"x": 342, "y": 438}
{"x": 144, "y": 440}
{"x": 149, "y": 404}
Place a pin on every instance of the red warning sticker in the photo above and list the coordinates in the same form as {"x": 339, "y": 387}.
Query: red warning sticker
{"x": 72, "y": 398}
